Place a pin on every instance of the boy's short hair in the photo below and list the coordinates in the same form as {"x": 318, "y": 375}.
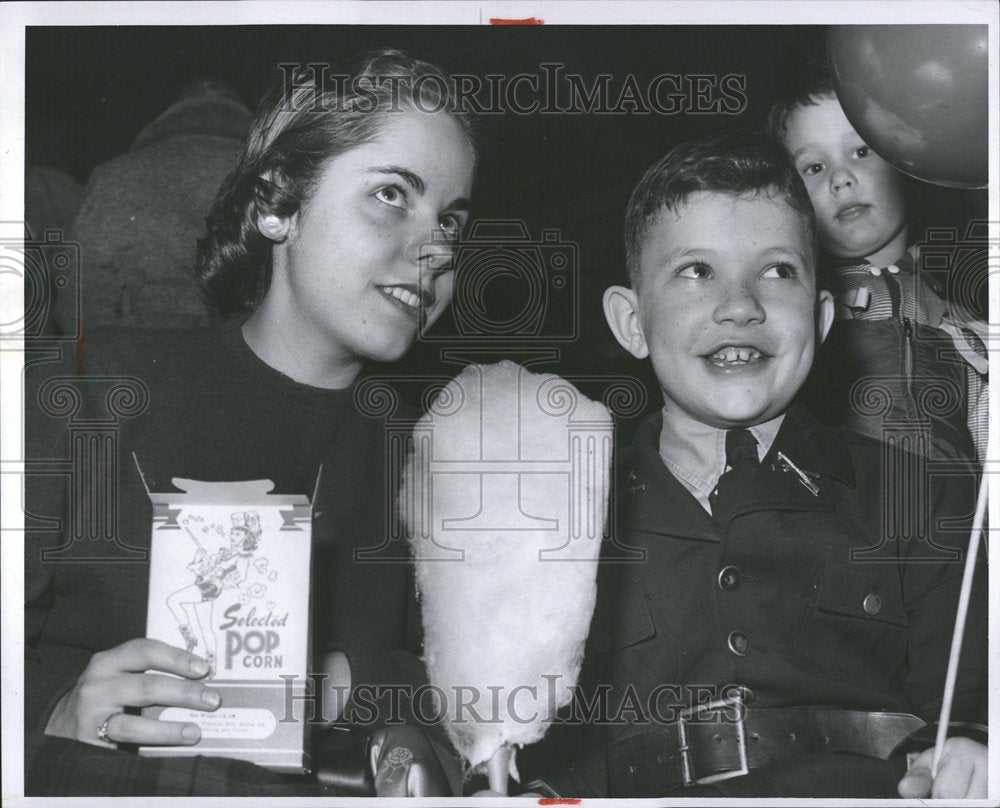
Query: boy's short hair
{"x": 741, "y": 162}
{"x": 804, "y": 86}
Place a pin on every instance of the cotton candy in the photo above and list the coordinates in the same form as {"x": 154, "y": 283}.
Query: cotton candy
{"x": 505, "y": 502}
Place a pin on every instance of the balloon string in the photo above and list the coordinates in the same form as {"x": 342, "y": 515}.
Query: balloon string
{"x": 963, "y": 609}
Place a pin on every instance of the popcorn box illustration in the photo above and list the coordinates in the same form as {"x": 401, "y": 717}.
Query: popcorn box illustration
{"x": 229, "y": 581}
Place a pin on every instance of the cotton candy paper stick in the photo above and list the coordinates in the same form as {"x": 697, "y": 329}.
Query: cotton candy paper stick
{"x": 498, "y": 769}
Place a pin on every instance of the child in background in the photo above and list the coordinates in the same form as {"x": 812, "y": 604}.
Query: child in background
{"x": 899, "y": 351}
{"x": 766, "y": 578}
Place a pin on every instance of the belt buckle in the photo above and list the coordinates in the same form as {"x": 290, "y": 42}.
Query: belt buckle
{"x": 742, "y": 756}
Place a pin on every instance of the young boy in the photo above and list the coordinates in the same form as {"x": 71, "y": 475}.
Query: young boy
{"x": 763, "y": 571}
{"x": 909, "y": 355}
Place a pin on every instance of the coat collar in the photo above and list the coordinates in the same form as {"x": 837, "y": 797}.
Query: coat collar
{"x": 652, "y": 500}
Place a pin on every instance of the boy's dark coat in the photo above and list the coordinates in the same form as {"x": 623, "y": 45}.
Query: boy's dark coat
{"x": 832, "y": 613}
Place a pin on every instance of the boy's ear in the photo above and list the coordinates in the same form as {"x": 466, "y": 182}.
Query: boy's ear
{"x": 825, "y": 309}
{"x": 622, "y": 313}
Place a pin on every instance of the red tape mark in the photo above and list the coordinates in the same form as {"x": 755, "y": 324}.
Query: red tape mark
{"x": 559, "y": 801}
{"x": 525, "y": 21}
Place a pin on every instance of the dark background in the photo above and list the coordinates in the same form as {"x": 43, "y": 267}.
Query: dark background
{"x": 89, "y": 91}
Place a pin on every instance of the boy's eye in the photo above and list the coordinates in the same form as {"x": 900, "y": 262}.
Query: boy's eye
{"x": 779, "y": 271}
{"x": 392, "y": 195}
{"x": 451, "y": 226}
{"x": 812, "y": 168}
{"x": 863, "y": 151}
{"x": 695, "y": 271}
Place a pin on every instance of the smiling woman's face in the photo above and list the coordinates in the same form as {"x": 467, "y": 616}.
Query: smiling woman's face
{"x": 727, "y": 307}
{"x": 367, "y": 261}
{"x": 858, "y": 197}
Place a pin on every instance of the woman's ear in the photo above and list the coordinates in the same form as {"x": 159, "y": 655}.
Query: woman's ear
{"x": 270, "y": 188}
{"x": 622, "y": 313}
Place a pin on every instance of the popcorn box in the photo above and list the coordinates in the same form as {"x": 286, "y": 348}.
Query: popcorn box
{"x": 229, "y": 581}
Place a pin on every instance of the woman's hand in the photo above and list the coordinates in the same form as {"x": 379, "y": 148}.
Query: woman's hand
{"x": 116, "y": 679}
{"x": 961, "y": 773}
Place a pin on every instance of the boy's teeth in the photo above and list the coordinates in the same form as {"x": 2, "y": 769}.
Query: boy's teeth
{"x": 405, "y": 295}
{"x": 736, "y": 354}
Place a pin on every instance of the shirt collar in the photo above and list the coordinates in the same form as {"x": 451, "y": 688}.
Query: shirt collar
{"x": 695, "y": 453}
{"x": 906, "y": 263}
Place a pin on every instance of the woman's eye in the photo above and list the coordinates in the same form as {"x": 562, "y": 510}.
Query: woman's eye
{"x": 779, "y": 271}
{"x": 812, "y": 169}
{"x": 695, "y": 271}
{"x": 391, "y": 195}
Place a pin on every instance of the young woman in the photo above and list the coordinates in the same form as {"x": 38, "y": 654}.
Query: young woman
{"x": 328, "y": 247}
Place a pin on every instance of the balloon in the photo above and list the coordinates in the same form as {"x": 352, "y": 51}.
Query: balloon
{"x": 918, "y": 95}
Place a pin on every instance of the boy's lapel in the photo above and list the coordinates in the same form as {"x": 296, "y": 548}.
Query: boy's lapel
{"x": 797, "y": 471}
{"x": 652, "y": 500}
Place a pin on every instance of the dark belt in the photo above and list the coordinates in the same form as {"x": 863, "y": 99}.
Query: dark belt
{"x": 725, "y": 739}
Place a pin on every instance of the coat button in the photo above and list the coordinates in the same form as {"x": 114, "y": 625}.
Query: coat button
{"x": 875, "y": 271}
{"x": 739, "y": 644}
{"x": 729, "y": 578}
{"x": 872, "y": 604}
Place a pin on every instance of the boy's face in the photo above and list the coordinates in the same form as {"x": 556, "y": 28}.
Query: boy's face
{"x": 858, "y": 197}
{"x": 726, "y": 307}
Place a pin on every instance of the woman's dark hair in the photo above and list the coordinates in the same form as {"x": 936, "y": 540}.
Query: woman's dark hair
{"x": 300, "y": 125}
